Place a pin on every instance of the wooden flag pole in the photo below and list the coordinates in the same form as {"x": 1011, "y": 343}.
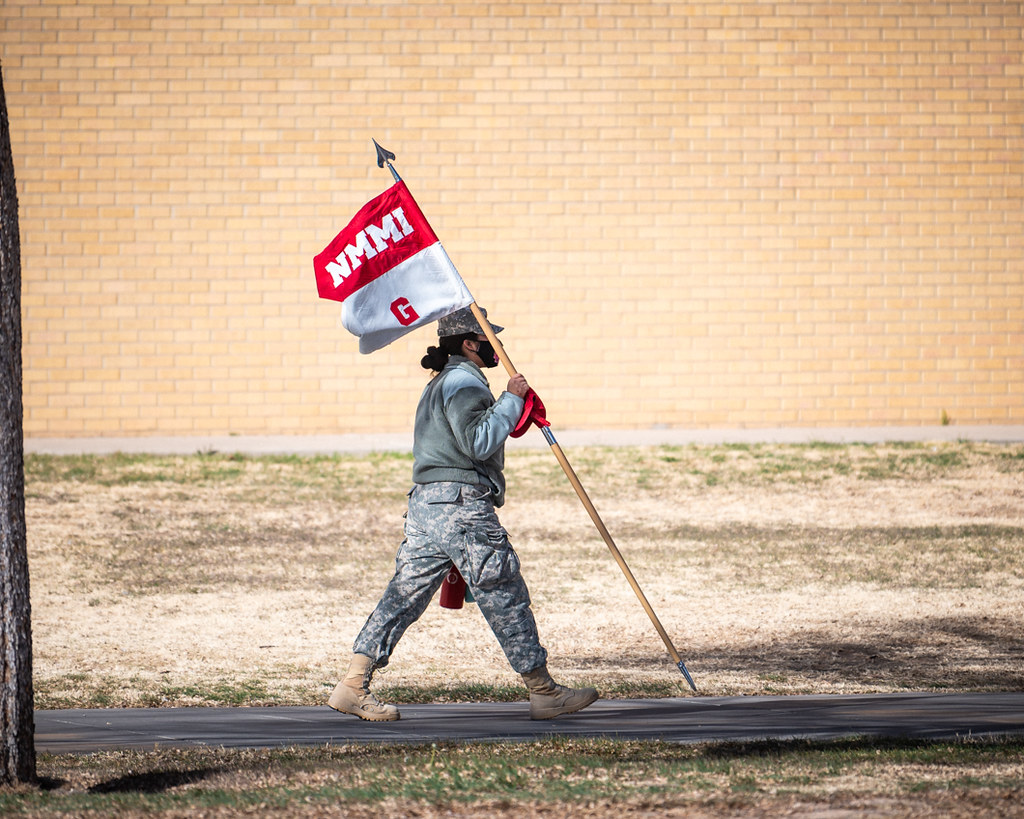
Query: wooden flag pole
{"x": 585, "y": 499}
{"x": 384, "y": 157}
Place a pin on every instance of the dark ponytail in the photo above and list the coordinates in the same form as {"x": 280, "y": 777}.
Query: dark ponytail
{"x": 437, "y": 357}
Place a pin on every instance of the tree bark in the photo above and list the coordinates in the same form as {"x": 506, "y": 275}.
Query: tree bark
{"x": 17, "y": 721}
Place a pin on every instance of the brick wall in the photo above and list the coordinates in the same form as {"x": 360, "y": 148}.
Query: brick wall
{"x": 686, "y": 214}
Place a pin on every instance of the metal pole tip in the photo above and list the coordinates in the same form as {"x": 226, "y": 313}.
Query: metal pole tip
{"x": 686, "y": 674}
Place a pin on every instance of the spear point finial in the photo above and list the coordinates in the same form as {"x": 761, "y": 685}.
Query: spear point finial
{"x": 384, "y": 157}
{"x": 383, "y": 154}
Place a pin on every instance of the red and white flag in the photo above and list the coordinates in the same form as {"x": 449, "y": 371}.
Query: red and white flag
{"x": 389, "y": 271}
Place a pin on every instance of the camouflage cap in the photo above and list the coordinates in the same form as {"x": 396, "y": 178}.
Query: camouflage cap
{"x": 462, "y": 321}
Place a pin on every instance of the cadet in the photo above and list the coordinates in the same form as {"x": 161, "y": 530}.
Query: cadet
{"x": 458, "y": 462}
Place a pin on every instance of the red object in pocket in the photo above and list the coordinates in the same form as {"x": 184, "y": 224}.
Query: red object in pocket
{"x": 453, "y": 590}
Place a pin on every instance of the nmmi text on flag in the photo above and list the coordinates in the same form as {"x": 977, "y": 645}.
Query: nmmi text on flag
{"x": 389, "y": 271}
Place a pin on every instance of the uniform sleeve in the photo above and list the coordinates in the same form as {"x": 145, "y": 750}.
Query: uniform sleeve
{"x": 481, "y": 425}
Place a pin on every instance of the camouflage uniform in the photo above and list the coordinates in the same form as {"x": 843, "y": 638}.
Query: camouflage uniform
{"x": 447, "y": 523}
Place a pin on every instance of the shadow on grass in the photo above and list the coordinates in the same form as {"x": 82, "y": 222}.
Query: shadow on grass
{"x": 974, "y": 653}
{"x": 922, "y": 750}
{"x": 153, "y": 781}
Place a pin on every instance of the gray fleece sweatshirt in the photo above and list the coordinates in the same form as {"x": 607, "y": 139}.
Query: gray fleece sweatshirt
{"x": 461, "y": 430}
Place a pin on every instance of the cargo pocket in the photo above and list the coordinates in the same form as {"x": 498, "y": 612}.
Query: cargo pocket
{"x": 492, "y": 561}
{"x": 440, "y": 492}
{"x": 430, "y": 510}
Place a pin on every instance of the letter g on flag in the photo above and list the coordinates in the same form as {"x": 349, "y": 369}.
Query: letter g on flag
{"x": 404, "y": 312}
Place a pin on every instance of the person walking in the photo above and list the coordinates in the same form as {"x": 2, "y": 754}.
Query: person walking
{"x": 458, "y": 463}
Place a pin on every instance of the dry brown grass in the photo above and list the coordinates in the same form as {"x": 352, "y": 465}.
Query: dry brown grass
{"x": 775, "y": 569}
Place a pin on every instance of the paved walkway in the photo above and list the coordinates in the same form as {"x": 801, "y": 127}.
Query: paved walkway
{"x": 402, "y": 442}
{"x": 691, "y": 719}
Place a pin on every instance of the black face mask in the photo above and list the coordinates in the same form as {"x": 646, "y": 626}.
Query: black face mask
{"x": 487, "y": 354}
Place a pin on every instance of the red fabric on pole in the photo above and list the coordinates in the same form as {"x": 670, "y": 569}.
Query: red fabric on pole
{"x": 533, "y": 413}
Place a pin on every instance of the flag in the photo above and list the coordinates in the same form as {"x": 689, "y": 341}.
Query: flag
{"x": 389, "y": 271}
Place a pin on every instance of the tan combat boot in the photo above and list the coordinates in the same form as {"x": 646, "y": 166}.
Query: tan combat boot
{"x": 352, "y": 695}
{"x": 548, "y": 699}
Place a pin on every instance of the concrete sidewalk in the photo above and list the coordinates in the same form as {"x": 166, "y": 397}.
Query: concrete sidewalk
{"x": 402, "y": 442}
{"x": 684, "y": 720}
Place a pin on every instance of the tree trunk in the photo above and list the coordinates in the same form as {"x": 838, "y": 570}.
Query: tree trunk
{"x": 17, "y": 722}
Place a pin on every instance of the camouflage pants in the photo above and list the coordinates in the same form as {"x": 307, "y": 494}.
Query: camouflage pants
{"x": 450, "y": 523}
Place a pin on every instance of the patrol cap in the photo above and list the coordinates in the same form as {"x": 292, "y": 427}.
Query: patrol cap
{"x": 461, "y": 322}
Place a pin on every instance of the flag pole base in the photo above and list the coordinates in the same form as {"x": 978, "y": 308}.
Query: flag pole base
{"x": 686, "y": 674}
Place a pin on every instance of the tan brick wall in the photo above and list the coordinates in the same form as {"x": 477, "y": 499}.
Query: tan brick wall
{"x": 687, "y": 214}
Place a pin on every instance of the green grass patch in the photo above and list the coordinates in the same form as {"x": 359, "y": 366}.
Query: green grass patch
{"x": 640, "y": 466}
{"x": 346, "y": 474}
{"x": 556, "y": 771}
